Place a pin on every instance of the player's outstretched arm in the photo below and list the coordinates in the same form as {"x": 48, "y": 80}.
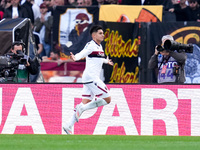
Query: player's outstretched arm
{"x": 72, "y": 56}
{"x": 110, "y": 62}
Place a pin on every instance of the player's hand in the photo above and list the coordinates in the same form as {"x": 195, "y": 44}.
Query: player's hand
{"x": 110, "y": 62}
{"x": 72, "y": 56}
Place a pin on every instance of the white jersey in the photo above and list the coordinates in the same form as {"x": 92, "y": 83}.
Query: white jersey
{"x": 94, "y": 60}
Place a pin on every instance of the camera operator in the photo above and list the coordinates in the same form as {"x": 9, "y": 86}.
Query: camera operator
{"x": 26, "y": 64}
{"x": 170, "y": 63}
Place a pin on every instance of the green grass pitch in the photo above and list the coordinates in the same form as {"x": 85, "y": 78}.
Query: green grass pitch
{"x": 97, "y": 142}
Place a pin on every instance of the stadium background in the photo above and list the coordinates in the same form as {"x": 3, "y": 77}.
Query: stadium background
{"x": 130, "y": 39}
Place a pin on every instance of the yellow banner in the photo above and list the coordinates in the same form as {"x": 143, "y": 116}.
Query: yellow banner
{"x": 125, "y": 13}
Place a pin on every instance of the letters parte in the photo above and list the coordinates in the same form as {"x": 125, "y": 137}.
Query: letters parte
{"x": 134, "y": 110}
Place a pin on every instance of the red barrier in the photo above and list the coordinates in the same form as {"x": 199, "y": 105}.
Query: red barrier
{"x": 70, "y": 72}
{"x": 70, "y": 66}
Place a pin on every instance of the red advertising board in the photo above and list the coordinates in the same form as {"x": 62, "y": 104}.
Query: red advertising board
{"x": 135, "y": 110}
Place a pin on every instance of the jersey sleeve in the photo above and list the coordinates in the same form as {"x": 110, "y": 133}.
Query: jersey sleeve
{"x": 85, "y": 52}
{"x": 105, "y": 61}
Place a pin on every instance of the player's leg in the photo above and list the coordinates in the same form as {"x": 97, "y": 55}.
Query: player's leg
{"x": 86, "y": 97}
{"x": 75, "y": 117}
{"x": 68, "y": 126}
{"x": 102, "y": 98}
{"x": 101, "y": 93}
{"x": 79, "y": 108}
{"x": 97, "y": 102}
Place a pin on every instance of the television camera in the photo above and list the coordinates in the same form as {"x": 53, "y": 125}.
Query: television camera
{"x": 9, "y": 64}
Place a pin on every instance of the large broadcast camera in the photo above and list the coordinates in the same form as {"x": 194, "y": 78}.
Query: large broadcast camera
{"x": 173, "y": 45}
{"x": 9, "y": 64}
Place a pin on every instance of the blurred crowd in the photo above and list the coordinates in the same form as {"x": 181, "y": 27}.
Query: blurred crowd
{"x": 40, "y": 13}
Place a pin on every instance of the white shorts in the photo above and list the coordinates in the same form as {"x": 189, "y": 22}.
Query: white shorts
{"x": 95, "y": 89}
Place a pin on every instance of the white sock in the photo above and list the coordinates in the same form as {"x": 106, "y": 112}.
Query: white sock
{"x": 97, "y": 102}
{"x": 72, "y": 120}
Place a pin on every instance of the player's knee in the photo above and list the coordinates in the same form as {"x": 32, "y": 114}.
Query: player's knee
{"x": 107, "y": 99}
{"x": 85, "y": 101}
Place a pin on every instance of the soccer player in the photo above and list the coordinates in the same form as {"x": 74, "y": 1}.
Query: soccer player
{"x": 95, "y": 93}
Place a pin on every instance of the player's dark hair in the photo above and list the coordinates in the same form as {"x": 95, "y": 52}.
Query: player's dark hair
{"x": 95, "y": 28}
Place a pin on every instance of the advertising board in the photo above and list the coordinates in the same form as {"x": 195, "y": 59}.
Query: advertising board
{"x": 135, "y": 109}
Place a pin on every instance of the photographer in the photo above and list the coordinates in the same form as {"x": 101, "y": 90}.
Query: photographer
{"x": 25, "y": 64}
{"x": 170, "y": 63}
